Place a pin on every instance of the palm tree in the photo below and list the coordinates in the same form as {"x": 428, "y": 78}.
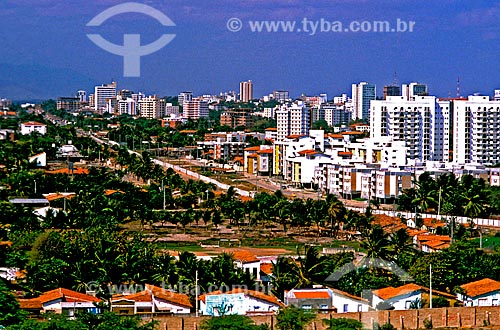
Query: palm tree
{"x": 376, "y": 243}
{"x": 336, "y": 211}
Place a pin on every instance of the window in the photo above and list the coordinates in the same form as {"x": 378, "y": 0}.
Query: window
{"x": 307, "y": 307}
{"x": 360, "y": 308}
{"x": 346, "y": 308}
{"x": 407, "y": 304}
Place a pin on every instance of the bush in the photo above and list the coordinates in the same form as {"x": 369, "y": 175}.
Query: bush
{"x": 343, "y": 323}
{"x": 386, "y": 326}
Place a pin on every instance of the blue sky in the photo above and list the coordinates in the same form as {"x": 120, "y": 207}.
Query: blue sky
{"x": 46, "y": 53}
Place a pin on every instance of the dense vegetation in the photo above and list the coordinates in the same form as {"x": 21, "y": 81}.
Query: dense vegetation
{"x": 89, "y": 241}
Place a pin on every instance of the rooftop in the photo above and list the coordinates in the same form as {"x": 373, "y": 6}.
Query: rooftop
{"x": 391, "y": 292}
{"x": 481, "y": 287}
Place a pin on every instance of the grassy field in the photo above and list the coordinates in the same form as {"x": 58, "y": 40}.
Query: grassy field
{"x": 489, "y": 242}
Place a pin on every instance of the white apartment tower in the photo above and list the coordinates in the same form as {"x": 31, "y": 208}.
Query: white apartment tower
{"x": 246, "y": 91}
{"x": 126, "y": 105}
{"x": 184, "y": 97}
{"x": 195, "y": 109}
{"x": 422, "y": 123}
{"x": 82, "y": 96}
{"x": 409, "y": 91}
{"x": 102, "y": 94}
{"x": 292, "y": 120}
{"x": 362, "y": 94}
{"x": 151, "y": 107}
{"x": 476, "y": 130}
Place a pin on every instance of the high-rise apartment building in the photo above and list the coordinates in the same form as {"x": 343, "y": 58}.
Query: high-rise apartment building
{"x": 336, "y": 114}
{"x": 82, "y": 96}
{"x": 68, "y": 103}
{"x": 422, "y": 123}
{"x": 246, "y": 91}
{"x": 362, "y": 94}
{"x": 292, "y": 120}
{"x": 237, "y": 118}
{"x": 476, "y": 130}
{"x": 391, "y": 90}
{"x": 151, "y": 107}
{"x": 195, "y": 109}
{"x": 102, "y": 94}
{"x": 409, "y": 91}
{"x": 281, "y": 96}
{"x": 126, "y": 105}
{"x": 184, "y": 97}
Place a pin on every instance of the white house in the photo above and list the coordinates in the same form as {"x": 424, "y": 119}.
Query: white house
{"x": 400, "y": 298}
{"x": 61, "y": 301}
{"x": 152, "y": 299}
{"x": 238, "y": 302}
{"x": 319, "y": 299}
{"x": 346, "y": 303}
{"x": 33, "y": 126}
{"x": 248, "y": 262}
{"x": 485, "y": 292}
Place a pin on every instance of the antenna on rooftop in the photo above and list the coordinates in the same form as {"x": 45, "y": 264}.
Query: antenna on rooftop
{"x": 458, "y": 87}
{"x": 395, "y": 82}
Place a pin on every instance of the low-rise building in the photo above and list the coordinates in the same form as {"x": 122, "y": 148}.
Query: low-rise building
{"x": 238, "y": 302}
{"x": 61, "y": 301}
{"x": 152, "y": 299}
{"x": 485, "y": 292}
{"x": 33, "y": 126}
{"x": 317, "y": 299}
{"x": 399, "y": 298}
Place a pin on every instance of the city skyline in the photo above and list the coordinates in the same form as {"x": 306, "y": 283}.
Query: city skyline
{"x": 46, "y": 52}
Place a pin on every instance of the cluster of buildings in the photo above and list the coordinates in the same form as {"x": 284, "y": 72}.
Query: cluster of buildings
{"x": 156, "y": 301}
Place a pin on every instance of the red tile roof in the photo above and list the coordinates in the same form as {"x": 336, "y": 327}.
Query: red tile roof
{"x": 336, "y": 136}
{"x": 53, "y": 196}
{"x": 296, "y": 136}
{"x": 271, "y": 129}
{"x": 244, "y": 256}
{"x": 61, "y": 293}
{"x": 265, "y": 151}
{"x": 481, "y": 287}
{"x": 391, "y": 292}
{"x": 312, "y": 294}
{"x": 426, "y": 238}
{"x": 33, "y": 123}
{"x": 351, "y": 133}
{"x": 266, "y": 268}
{"x": 256, "y": 148}
{"x": 30, "y": 304}
{"x": 77, "y": 170}
{"x": 307, "y": 152}
{"x": 345, "y": 153}
{"x": 157, "y": 292}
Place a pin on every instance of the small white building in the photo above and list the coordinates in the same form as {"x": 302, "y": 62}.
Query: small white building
{"x": 248, "y": 262}
{"x": 400, "y": 298}
{"x": 485, "y": 292}
{"x": 346, "y": 303}
{"x": 238, "y": 302}
{"x": 33, "y": 126}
